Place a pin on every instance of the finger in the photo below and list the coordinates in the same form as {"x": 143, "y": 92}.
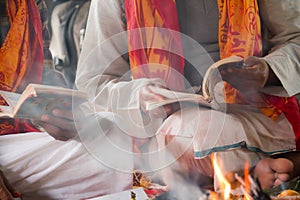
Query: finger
{"x": 249, "y": 73}
{"x": 57, "y": 133}
{"x": 150, "y": 96}
{"x": 165, "y": 111}
{"x": 230, "y": 76}
{"x": 58, "y": 122}
{"x": 67, "y": 114}
{"x": 277, "y": 182}
{"x": 243, "y": 79}
{"x": 283, "y": 177}
{"x": 252, "y": 60}
{"x": 62, "y": 132}
{"x": 146, "y": 99}
{"x": 282, "y": 165}
{"x": 146, "y": 93}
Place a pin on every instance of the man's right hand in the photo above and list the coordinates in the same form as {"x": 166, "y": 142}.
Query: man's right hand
{"x": 146, "y": 94}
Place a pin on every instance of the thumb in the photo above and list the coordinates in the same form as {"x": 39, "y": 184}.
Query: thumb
{"x": 260, "y": 67}
{"x": 252, "y": 60}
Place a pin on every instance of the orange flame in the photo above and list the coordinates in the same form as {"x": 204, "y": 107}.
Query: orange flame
{"x": 224, "y": 185}
{"x": 247, "y": 182}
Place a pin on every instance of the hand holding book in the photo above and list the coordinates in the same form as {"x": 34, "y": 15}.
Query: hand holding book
{"x": 249, "y": 80}
{"x": 253, "y": 76}
{"x": 59, "y": 124}
{"x": 49, "y": 107}
{"x": 39, "y": 99}
{"x": 206, "y": 96}
{"x": 148, "y": 93}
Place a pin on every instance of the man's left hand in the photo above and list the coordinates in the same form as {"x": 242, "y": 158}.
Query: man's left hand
{"x": 60, "y": 124}
{"x": 249, "y": 80}
{"x": 252, "y": 77}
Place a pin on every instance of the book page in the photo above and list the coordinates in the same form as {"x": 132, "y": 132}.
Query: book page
{"x": 34, "y": 106}
{"x": 212, "y": 75}
{"x": 11, "y": 98}
{"x": 174, "y": 96}
{"x": 40, "y": 99}
{"x": 37, "y": 89}
{"x": 6, "y": 111}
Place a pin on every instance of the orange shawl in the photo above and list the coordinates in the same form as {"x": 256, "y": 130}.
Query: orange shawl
{"x": 21, "y": 55}
{"x": 156, "y": 51}
{"x": 239, "y": 34}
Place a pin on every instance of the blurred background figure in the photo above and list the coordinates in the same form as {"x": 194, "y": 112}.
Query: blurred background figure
{"x": 67, "y": 21}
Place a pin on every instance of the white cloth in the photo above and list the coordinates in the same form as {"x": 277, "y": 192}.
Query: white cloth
{"x": 43, "y": 168}
{"x": 213, "y": 131}
{"x": 104, "y": 71}
{"x": 242, "y": 134}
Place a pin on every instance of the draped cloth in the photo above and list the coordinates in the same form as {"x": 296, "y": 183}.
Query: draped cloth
{"x": 155, "y": 49}
{"x": 239, "y": 34}
{"x": 21, "y": 56}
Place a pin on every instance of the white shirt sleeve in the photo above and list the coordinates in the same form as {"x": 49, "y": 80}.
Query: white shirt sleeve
{"x": 103, "y": 69}
{"x": 281, "y": 20}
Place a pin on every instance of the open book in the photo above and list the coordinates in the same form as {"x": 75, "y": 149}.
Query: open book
{"x": 206, "y": 96}
{"x": 38, "y": 99}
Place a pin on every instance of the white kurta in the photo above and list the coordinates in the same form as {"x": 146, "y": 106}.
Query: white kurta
{"x": 104, "y": 71}
{"x": 41, "y": 167}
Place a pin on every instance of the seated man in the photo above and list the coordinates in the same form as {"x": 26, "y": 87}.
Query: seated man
{"x": 114, "y": 90}
{"x": 34, "y": 163}
{"x": 117, "y": 67}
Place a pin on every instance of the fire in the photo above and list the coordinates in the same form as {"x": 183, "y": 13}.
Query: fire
{"x": 225, "y": 187}
{"x": 247, "y": 185}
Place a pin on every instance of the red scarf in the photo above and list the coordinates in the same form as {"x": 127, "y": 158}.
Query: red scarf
{"x": 152, "y": 50}
{"x": 239, "y": 34}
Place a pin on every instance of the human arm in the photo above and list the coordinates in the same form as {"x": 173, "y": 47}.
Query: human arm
{"x": 282, "y": 36}
{"x": 280, "y": 65}
{"x": 103, "y": 69}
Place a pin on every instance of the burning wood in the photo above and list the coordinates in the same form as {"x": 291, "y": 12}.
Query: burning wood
{"x": 250, "y": 189}
{"x": 233, "y": 187}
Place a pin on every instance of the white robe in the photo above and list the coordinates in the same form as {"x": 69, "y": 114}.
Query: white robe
{"x": 104, "y": 70}
{"x": 41, "y": 167}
